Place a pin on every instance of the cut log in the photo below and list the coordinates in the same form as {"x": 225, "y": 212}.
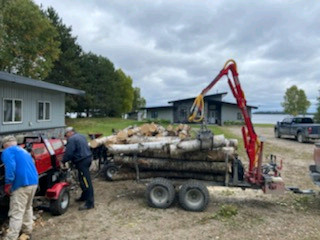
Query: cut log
{"x": 215, "y": 155}
{"x": 183, "y": 134}
{"x": 232, "y": 143}
{"x": 149, "y": 129}
{"x": 134, "y": 131}
{"x": 196, "y": 145}
{"x": 103, "y": 140}
{"x": 122, "y": 135}
{"x": 169, "y": 128}
{"x": 140, "y": 147}
{"x": 176, "y": 147}
{"x": 167, "y": 174}
{"x": 173, "y": 165}
{"x": 143, "y": 139}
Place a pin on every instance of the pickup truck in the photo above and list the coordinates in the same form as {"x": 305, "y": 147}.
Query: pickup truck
{"x": 302, "y": 128}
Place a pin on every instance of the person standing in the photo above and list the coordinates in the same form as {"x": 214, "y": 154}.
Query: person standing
{"x": 21, "y": 182}
{"x": 78, "y": 152}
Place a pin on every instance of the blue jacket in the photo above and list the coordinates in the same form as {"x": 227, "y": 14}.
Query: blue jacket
{"x": 77, "y": 149}
{"x": 20, "y": 169}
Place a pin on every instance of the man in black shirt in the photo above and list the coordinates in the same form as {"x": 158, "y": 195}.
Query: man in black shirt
{"x": 78, "y": 152}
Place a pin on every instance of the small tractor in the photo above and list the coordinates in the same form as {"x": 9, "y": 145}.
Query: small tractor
{"x": 54, "y": 183}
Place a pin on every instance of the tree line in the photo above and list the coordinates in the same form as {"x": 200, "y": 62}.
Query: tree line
{"x": 296, "y": 103}
{"x": 35, "y": 43}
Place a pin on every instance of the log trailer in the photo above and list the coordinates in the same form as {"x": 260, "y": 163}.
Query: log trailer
{"x": 192, "y": 191}
{"x": 54, "y": 183}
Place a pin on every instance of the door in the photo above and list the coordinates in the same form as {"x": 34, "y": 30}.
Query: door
{"x": 212, "y": 118}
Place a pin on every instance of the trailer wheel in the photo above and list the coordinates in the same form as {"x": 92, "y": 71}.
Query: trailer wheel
{"x": 109, "y": 170}
{"x": 59, "y": 206}
{"x": 160, "y": 193}
{"x": 193, "y": 196}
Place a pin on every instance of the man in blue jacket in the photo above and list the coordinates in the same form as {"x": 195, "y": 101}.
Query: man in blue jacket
{"x": 78, "y": 152}
{"x": 21, "y": 180}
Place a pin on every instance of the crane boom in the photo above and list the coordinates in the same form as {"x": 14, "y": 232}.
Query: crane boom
{"x": 253, "y": 146}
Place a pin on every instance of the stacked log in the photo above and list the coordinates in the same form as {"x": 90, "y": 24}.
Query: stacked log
{"x": 175, "y": 158}
{"x": 124, "y": 136}
{"x": 154, "y": 151}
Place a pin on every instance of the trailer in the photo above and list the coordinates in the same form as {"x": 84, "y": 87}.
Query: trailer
{"x": 162, "y": 182}
{"x": 192, "y": 192}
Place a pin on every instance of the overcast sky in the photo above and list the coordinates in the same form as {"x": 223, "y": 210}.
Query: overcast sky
{"x": 172, "y": 49}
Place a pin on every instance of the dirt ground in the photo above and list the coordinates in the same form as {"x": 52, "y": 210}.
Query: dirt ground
{"x": 121, "y": 211}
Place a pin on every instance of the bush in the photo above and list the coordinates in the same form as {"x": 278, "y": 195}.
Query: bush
{"x": 158, "y": 121}
{"x": 229, "y": 123}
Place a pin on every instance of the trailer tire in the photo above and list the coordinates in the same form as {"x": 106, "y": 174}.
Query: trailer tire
{"x": 194, "y": 196}
{"x": 59, "y": 206}
{"x": 109, "y": 170}
{"x": 160, "y": 193}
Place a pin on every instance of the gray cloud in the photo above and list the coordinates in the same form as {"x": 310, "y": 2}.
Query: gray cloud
{"x": 172, "y": 49}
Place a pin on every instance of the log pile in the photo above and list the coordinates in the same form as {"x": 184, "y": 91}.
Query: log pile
{"x": 168, "y": 152}
{"x": 144, "y": 133}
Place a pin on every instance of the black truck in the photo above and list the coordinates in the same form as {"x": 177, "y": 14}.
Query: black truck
{"x": 302, "y": 128}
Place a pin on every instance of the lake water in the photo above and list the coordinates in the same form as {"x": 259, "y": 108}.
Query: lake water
{"x": 270, "y": 118}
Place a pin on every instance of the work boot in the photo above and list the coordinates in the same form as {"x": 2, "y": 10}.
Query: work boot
{"x": 79, "y": 199}
{"x": 85, "y": 207}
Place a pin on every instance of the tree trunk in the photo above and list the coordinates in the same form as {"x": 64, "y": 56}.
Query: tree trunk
{"x": 176, "y": 147}
{"x": 172, "y": 164}
{"x": 103, "y": 140}
{"x": 214, "y": 155}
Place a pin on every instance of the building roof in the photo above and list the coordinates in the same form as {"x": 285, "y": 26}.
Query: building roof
{"x": 13, "y": 78}
{"x": 207, "y": 97}
{"x": 157, "y": 107}
{"x": 234, "y": 104}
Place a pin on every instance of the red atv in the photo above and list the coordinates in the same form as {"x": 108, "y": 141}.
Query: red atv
{"x": 54, "y": 183}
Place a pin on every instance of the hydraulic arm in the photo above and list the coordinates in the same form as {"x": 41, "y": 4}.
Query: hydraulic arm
{"x": 253, "y": 146}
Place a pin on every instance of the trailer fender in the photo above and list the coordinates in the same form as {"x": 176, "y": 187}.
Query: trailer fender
{"x": 54, "y": 191}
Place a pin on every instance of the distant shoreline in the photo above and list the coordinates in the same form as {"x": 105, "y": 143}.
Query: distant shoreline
{"x": 277, "y": 113}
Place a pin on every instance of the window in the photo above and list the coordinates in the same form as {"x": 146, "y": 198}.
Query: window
{"x": 154, "y": 114}
{"x": 12, "y": 110}
{"x": 43, "y": 111}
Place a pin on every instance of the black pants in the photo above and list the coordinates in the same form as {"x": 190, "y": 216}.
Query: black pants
{"x": 85, "y": 181}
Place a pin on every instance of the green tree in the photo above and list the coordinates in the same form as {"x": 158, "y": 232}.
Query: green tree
{"x": 28, "y": 40}
{"x": 295, "y": 101}
{"x": 66, "y": 71}
{"x": 98, "y": 79}
{"x": 126, "y": 93}
{"x": 317, "y": 115}
{"x": 138, "y": 101}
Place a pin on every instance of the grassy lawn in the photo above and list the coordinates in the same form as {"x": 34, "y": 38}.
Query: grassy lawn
{"x": 100, "y": 125}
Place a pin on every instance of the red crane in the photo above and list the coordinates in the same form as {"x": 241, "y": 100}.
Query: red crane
{"x": 253, "y": 146}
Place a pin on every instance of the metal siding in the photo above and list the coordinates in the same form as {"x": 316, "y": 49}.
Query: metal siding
{"x": 30, "y": 97}
{"x": 229, "y": 113}
{"x": 163, "y": 113}
{"x": 166, "y": 114}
